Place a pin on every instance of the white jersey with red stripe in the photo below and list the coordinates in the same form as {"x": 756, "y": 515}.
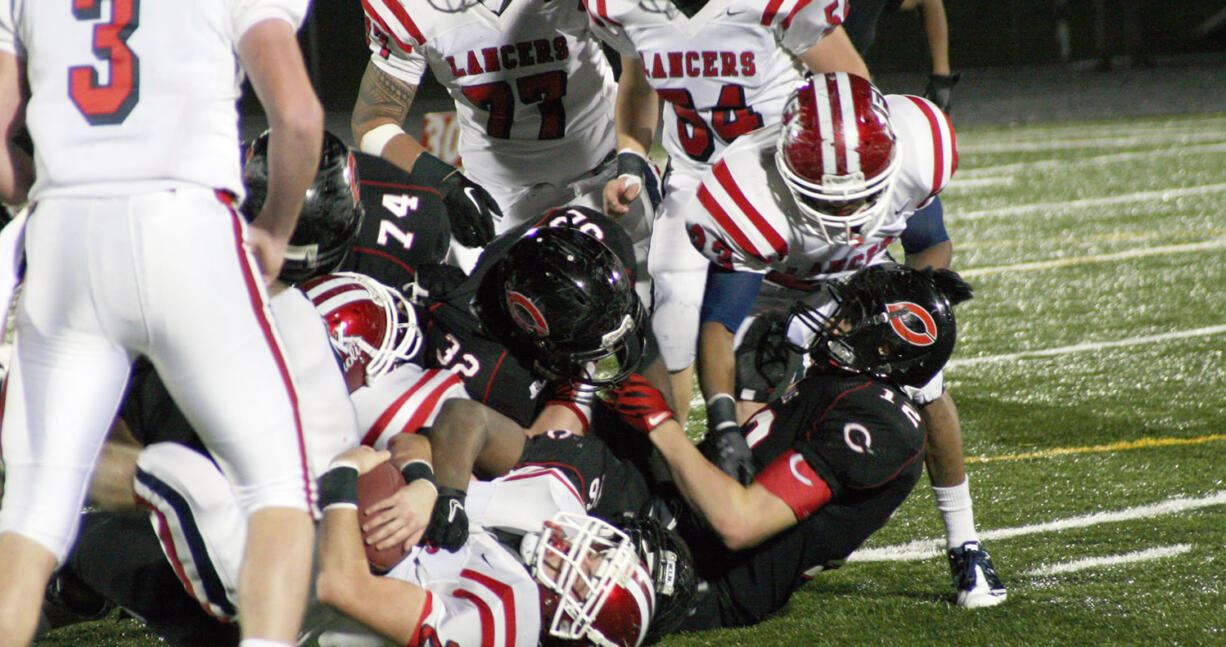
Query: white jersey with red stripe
{"x": 725, "y": 71}
{"x": 403, "y": 401}
{"x": 744, "y": 218}
{"x": 483, "y": 594}
{"x": 533, "y": 90}
{"x": 130, "y": 96}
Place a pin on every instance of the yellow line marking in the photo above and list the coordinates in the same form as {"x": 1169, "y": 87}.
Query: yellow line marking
{"x": 1143, "y": 443}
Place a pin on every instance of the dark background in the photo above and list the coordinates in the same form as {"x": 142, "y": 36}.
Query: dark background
{"x": 989, "y": 39}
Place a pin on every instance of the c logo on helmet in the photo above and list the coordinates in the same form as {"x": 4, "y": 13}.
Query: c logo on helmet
{"x": 925, "y": 337}
{"x": 526, "y": 315}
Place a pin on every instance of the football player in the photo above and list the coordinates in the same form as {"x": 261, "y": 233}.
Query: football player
{"x": 723, "y": 70}
{"x": 821, "y": 194}
{"x": 568, "y": 578}
{"x": 833, "y": 457}
{"x": 137, "y": 250}
{"x": 533, "y": 92}
{"x": 362, "y": 214}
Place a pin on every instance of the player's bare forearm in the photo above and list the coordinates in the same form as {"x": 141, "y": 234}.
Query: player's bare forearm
{"x": 936, "y": 29}
{"x": 270, "y": 55}
{"x": 716, "y": 359}
{"x": 16, "y": 167}
{"x": 637, "y": 109}
{"x": 470, "y": 438}
{"x": 939, "y": 256}
{"x": 384, "y": 100}
{"x": 742, "y": 516}
{"x": 835, "y": 53}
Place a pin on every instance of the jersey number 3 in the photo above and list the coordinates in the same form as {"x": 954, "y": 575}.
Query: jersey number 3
{"x": 109, "y": 103}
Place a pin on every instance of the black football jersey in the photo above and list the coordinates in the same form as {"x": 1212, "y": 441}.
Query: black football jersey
{"x": 860, "y": 435}
{"x": 610, "y": 487}
{"x": 405, "y": 224}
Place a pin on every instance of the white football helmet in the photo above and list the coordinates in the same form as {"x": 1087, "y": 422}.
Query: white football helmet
{"x": 372, "y": 327}
{"x": 595, "y": 590}
{"x": 837, "y": 154}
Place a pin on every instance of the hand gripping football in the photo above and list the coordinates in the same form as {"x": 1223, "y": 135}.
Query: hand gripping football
{"x": 374, "y": 486}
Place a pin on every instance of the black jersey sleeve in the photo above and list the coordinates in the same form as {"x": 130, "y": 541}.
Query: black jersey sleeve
{"x": 405, "y": 224}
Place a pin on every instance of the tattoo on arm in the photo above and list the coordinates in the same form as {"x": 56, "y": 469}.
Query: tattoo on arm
{"x": 381, "y": 97}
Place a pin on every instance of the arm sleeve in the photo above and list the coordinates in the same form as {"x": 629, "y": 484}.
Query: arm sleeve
{"x": 792, "y": 479}
{"x": 925, "y": 228}
{"x": 729, "y": 295}
{"x": 395, "y": 41}
{"x": 801, "y": 24}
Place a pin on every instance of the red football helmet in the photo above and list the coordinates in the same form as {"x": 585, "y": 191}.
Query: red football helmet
{"x": 595, "y": 590}
{"x": 837, "y": 154}
{"x": 372, "y": 326}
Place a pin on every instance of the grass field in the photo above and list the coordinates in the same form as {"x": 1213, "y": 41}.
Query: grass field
{"x": 1091, "y": 379}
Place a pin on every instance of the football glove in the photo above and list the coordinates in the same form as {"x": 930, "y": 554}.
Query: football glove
{"x": 470, "y": 207}
{"x": 448, "y": 527}
{"x": 939, "y": 89}
{"x": 949, "y": 283}
{"x": 724, "y": 444}
{"x": 635, "y": 168}
{"x": 639, "y": 404}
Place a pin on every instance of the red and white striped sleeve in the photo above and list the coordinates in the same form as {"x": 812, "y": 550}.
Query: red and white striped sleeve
{"x": 395, "y": 40}
{"x": 930, "y": 146}
{"x": 801, "y": 23}
{"x": 733, "y": 201}
{"x": 404, "y": 401}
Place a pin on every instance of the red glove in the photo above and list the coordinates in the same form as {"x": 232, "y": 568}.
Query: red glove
{"x": 639, "y": 404}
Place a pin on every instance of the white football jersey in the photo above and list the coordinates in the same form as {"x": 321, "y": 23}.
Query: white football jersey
{"x": 532, "y": 87}
{"x": 744, "y": 218}
{"x": 724, "y": 72}
{"x": 403, "y": 401}
{"x": 128, "y": 96}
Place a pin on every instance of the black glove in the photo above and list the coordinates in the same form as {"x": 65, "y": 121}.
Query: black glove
{"x": 949, "y": 283}
{"x": 470, "y": 207}
{"x": 448, "y": 527}
{"x": 939, "y": 89}
{"x": 724, "y": 444}
{"x": 635, "y": 165}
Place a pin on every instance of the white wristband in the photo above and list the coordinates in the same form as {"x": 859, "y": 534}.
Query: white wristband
{"x": 376, "y": 138}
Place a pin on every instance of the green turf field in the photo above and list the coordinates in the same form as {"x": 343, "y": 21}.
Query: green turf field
{"x": 1091, "y": 379}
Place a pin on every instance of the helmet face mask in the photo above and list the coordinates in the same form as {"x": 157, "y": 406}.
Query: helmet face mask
{"x": 331, "y": 214}
{"x": 887, "y": 320}
{"x": 372, "y": 327}
{"x": 837, "y": 155}
{"x": 565, "y": 301}
{"x": 594, "y": 588}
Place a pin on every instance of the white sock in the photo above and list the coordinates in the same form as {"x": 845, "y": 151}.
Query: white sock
{"x": 954, "y": 503}
{"x": 262, "y": 642}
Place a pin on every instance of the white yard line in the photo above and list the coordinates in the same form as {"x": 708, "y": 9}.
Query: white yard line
{"x": 1058, "y": 207}
{"x": 1096, "y": 258}
{"x": 1092, "y": 346}
{"x": 963, "y": 175}
{"x": 922, "y": 549}
{"x": 1146, "y": 555}
{"x": 1103, "y": 142}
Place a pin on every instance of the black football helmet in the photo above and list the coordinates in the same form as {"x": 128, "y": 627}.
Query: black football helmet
{"x": 671, "y": 565}
{"x": 887, "y": 320}
{"x": 563, "y": 301}
{"x": 331, "y": 212}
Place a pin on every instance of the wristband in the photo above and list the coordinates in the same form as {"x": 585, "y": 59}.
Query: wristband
{"x": 721, "y": 409}
{"x": 339, "y": 487}
{"x": 416, "y": 470}
{"x": 377, "y": 138}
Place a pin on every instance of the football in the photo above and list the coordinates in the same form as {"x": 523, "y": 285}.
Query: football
{"x": 374, "y": 486}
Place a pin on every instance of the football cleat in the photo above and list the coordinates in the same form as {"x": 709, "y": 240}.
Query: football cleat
{"x": 975, "y": 577}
